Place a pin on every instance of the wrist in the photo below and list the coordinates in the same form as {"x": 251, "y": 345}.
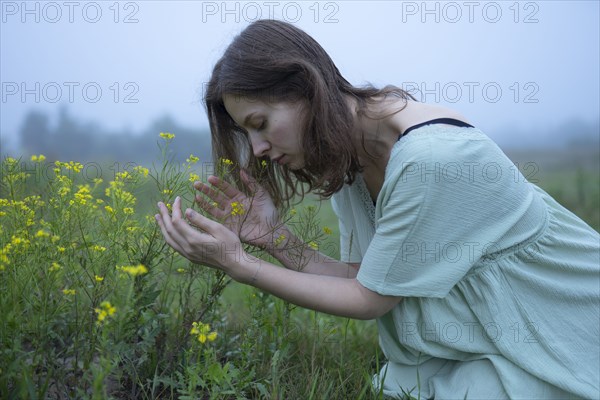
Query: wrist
{"x": 247, "y": 269}
{"x": 282, "y": 239}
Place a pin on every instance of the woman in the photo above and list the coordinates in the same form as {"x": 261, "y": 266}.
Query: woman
{"x": 482, "y": 285}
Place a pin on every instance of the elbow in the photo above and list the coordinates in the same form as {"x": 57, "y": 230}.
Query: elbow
{"x": 370, "y": 313}
{"x": 372, "y": 304}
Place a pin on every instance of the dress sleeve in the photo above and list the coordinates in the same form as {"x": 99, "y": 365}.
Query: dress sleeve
{"x": 444, "y": 204}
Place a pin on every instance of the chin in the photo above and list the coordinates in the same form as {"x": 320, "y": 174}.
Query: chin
{"x": 295, "y": 166}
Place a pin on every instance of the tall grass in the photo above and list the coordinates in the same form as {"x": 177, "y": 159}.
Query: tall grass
{"x": 96, "y": 305}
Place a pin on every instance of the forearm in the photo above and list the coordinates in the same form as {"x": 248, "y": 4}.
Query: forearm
{"x": 344, "y": 297}
{"x": 296, "y": 255}
{"x": 215, "y": 245}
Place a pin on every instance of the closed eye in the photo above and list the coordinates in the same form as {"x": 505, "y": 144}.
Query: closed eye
{"x": 262, "y": 126}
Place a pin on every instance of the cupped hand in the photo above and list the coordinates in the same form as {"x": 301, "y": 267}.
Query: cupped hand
{"x": 254, "y": 218}
{"x": 199, "y": 239}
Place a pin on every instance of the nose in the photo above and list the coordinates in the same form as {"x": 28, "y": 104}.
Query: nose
{"x": 260, "y": 146}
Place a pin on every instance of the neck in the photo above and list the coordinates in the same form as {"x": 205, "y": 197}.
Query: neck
{"x": 376, "y": 130}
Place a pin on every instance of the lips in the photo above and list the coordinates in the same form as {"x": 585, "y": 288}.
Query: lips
{"x": 278, "y": 159}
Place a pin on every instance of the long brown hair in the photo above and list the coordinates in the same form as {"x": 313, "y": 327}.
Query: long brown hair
{"x": 273, "y": 61}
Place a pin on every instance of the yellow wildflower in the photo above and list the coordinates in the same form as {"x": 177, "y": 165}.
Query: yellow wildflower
{"x": 39, "y": 158}
{"x": 237, "y": 208}
{"x": 71, "y": 165}
{"x": 3, "y": 257}
{"x": 313, "y": 245}
{"x": 128, "y": 210}
{"x": 192, "y": 159}
{"x": 98, "y": 248}
{"x": 167, "y": 136}
{"x": 327, "y": 230}
{"x": 109, "y": 210}
{"x": 280, "y": 239}
{"x": 35, "y": 201}
{"x": 141, "y": 170}
{"x": 263, "y": 163}
{"x": 293, "y": 212}
{"x": 203, "y": 332}
{"x": 134, "y": 270}
{"x": 63, "y": 191}
{"x": 181, "y": 270}
{"x": 106, "y": 310}
{"x": 226, "y": 161}
{"x": 123, "y": 175}
{"x": 115, "y": 190}
{"x": 98, "y": 278}
{"x": 75, "y": 166}
{"x": 69, "y": 292}
{"x": 54, "y": 267}
{"x": 61, "y": 249}
{"x": 113, "y": 186}
{"x": 194, "y": 177}
{"x": 41, "y": 234}
{"x": 17, "y": 241}
{"x": 83, "y": 194}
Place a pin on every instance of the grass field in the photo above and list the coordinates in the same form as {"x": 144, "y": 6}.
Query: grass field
{"x": 82, "y": 319}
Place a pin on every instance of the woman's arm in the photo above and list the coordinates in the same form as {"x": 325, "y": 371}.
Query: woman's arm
{"x": 294, "y": 254}
{"x": 344, "y": 297}
{"x": 217, "y": 246}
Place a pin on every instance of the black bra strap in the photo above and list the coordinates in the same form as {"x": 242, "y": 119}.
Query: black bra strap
{"x": 449, "y": 121}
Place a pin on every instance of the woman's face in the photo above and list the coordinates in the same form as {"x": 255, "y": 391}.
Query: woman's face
{"x": 274, "y": 129}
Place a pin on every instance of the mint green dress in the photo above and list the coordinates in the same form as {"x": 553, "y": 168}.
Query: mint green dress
{"x": 500, "y": 283}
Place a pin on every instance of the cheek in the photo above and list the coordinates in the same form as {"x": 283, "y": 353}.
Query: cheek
{"x": 283, "y": 134}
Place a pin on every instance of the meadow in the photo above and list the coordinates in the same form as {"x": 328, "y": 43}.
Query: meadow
{"x": 95, "y": 305}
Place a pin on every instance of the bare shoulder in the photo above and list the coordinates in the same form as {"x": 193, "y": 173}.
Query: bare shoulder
{"x": 415, "y": 113}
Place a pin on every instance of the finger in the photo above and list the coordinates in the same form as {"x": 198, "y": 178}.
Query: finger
{"x": 206, "y": 224}
{"x": 215, "y": 195}
{"x": 176, "y": 208}
{"x": 166, "y": 235}
{"x": 179, "y": 234}
{"x": 168, "y": 224}
{"x": 210, "y": 207}
{"x": 183, "y": 231}
{"x": 224, "y": 186}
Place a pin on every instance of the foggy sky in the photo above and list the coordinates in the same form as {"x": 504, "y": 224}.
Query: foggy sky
{"x": 510, "y": 67}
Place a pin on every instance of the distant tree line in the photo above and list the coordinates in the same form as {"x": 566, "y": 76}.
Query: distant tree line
{"x": 71, "y": 139}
